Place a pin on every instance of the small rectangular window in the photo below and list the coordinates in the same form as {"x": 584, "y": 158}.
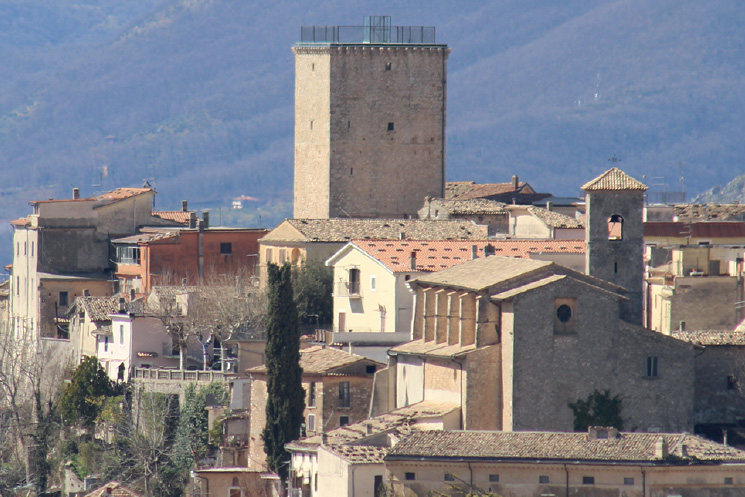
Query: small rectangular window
{"x": 32, "y": 249}
{"x": 268, "y": 256}
{"x": 344, "y": 397}
{"x": 311, "y": 422}
{"x": 493, "y": 478}
{"x": 312, "y": 394}
{"x": 588, "y": 480}
{"x": 387, "y": 66}
{"x": 628, "y": 481}
{"x": 449, "y": 477}
{"x": 390, "y": 126}
{"x": 410, "y": 476}
{"x": 652, "y": 363}
{"x": 63, "y": 299}
{"x": 105, "y": 344}
{"x": 373, "y": 282}
{"x": 25, "y": 244}
{"x": 343, "y": 420}
{"x": 311, "y": 125}
{"x": 354, "y": 281}
{"x": 18, "y": 285}
{"x": 370, "y": 369}
{"x": 544, "y": 479}
{"x": 729, "y": 481}
{"x": 226, "y": 248}
{"x": 732, "y": 382}
{"x": 121, "y": 334}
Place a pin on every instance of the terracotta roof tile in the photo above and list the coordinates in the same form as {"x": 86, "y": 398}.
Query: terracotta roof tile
{"x": 557, "y": 446}
{"x": 442, "y": 254}
{"x": 344, "y": 229}
{"x": 99, "y": 308}
{"x": 122, "y": 193}
{"x": 319, "y": 359}
{"x": 113, "y": 488}
{"x": 614, "y": 179}
{"x": 181, "y": 217}
{"x": 708, "y": 338}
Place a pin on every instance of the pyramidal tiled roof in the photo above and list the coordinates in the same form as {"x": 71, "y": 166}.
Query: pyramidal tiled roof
{"x": 614, "y": 179}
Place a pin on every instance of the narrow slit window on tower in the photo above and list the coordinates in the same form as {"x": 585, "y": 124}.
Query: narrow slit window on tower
{"x": 615, "y": 227}
{"x": 615, "y": 267}
{"x": 311, "y": 125}
{"x": 312, "y": 67}
{"x": 351, "y": 171}
{"x": 390, "y": 126}
{"x": 387, "y": 66}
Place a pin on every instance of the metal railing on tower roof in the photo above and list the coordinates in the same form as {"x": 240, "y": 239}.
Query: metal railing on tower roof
{"x": 369, "y": 34}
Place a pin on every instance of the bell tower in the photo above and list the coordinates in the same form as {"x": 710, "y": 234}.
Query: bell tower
{"x": 370, "y": 106}
{"x": 614, "y": 232}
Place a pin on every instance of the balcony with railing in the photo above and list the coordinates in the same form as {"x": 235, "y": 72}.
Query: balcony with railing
{"x": 376, "y": 30}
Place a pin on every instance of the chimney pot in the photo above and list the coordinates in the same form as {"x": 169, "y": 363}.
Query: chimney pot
{"x": 206, "y": 219}
{"x": 660, "y": 449}
{"x": 402, "y": 236}
{"x": 184, "y": 206}
{"x": 515, "y": 182}
{"x": 122, "y": 305}
{"x": 192, "y": 220}
{"x": 413, "y": 260}
{"x": 682, "y": 326}
{"x": 549, "y": 206}
{"x": 76, "y": 193}
{"x": 474, "y": 252}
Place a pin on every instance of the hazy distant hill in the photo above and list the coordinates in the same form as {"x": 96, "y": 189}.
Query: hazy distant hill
{"x": 732, "y": 192}
{"x": 199, "y": 93}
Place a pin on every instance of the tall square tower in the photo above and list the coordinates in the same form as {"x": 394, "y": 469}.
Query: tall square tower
{"x": 370, "y": 106}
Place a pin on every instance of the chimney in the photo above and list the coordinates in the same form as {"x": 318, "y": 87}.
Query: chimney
{"x": 515, "y": 182}
{"x": 206, "y": 219}
{"x": 549, "y": 206}
{"x": 682, "y": 326}
{"x": 402, "y": 236}
{"x": 192, "y": 220}
{"x": 413, "y": 260}
{"x": 369, "y": 429}
{"x": 474, "y": 252}
{"x": 86, "y": 293}
{"x": 122, "y": 305}
{"x": 184, "y": 206}
{"x": 684, "y": 451}
{"x": 108, "y": 491}
{"x": 660, "y": 449}
{"x": 324, "y": 438}
{"x": 75, "y": 193}
{"x": 132, "y": 294}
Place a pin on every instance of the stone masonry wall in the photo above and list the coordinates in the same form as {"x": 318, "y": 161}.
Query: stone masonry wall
{"x": 369, "y": 129}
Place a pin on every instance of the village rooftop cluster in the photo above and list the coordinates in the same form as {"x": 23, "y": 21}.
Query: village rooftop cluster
{"x": 467, "y": 318}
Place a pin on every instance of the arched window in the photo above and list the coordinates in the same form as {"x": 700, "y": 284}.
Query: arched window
{"x": 615, "y": 227}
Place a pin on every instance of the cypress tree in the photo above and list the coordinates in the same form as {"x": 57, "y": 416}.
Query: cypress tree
{"x": 285, "y": 395}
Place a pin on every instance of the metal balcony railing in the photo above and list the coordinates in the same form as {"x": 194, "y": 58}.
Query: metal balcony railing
{"x": 401, "y": 35}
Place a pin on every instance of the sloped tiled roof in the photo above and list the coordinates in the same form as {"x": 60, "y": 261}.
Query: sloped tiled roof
{"x": 122, "y": 193}
{"x": 472, "y": 206}
{"x": 23, "y": 221}
{"x": 319, "y": 359}
{"x": 630, "y": 447}
{"x": 99, "y": 308}
{"x": 555, "y": 219}
{"x": 345, "y": 229}
{"x": 360, "y": 454}
{"x": 454, "y": 189}
{"x": 148, "y": 236}
{"x": 484, "y": 272}
{"x": 181, "y": 217}
{"x": 114, "y": 489}
{"x": 442, "y": 254}
{"x": 708, "y": 212}
{"x": 708, "y": 338}
{"x": 398, "y": 421}
{"x": 466, "y": 190}
{"x": 614, "y": 179}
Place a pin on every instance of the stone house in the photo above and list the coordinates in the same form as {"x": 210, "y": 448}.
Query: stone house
{"x": 63, "y": 248}
{"x": 528, "y": 221}
{"x": 512, "y": 192}
{"x": 371, "y": 276}
{"x": 157, "y": 256}
{"x": 515, "y": 341}
{"x": 490, "y": 213}
{"x": 298, "y": 240}
{"x": 720, "y": 377}
{"x": 338, "y": 388}
{"x": 531, "y": 464}
{"x": 699, "y": 287}
{"x": 349, "y": 460}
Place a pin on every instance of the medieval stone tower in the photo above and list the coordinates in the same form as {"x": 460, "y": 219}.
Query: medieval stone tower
{"x": 369, "y": 119}
{"x": 615, "y": 235}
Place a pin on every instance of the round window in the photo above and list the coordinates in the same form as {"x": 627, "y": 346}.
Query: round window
{"x": 564, "y": 313}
